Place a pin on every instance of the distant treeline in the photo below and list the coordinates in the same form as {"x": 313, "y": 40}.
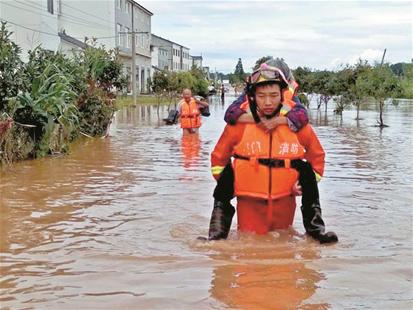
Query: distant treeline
{"x": 352, "y": 85}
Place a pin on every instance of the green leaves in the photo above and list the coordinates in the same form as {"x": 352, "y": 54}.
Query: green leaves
{"x": 379, "y": 83}
{"x": 165, "y": 82}
{"x": 51, "y": 94}
{"x": 11, "y": 78}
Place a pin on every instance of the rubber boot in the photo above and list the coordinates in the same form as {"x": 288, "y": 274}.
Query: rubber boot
{"x": 311, "y": 209}
{"x": 314, "y": 224}
{"x": 221, "y": 219}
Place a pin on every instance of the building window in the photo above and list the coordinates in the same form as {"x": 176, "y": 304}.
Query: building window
{"x": 128, "y": 7}
{"x": 50, "y": 6}
{"x": 118, "y": 30}
{"x": 122, "y": 4}
{"x": 128, "y": 38}
{"x": 123, "y": 36}
{"x": 118, "y": 4}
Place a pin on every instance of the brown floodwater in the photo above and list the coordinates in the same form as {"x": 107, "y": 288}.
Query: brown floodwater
{"x": 113, "y": 225}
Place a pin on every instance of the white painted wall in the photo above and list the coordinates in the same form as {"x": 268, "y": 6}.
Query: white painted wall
{"x": 176, "y": 59}
{"x": 186, "y": 60}
{"x": 89, "y": 18}
{"x": 34, "y": 25}
{"x": 142, "y": 23}
{"x": 25, "y": 15}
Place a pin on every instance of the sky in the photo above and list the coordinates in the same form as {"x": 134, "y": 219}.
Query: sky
{"x": 313, "y": 34}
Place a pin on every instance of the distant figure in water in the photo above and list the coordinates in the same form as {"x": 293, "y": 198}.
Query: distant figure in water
{"x": 189, "y": 112}
{"x": 222, "y": 92}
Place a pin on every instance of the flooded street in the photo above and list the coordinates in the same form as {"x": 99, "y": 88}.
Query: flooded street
{"x": 113, "y": 225}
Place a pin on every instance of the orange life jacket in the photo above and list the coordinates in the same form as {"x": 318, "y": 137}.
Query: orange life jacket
{"x": 190, "y": 115}
{"x": 288, "y": 94}
{"x": 262, "y": 162}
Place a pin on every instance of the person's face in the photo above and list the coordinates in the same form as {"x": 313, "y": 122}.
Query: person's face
{"x": 268, "y": 98}
{"x": 187, "y": 95}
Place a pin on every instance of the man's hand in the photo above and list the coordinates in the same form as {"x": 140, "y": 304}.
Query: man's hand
{"x": 201, "y": 103}
{"x": 270, "y": 124}
{"x": 296, "y": 191}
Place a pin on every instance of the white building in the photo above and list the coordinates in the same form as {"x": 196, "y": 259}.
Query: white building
{"x": 161, "y": 50}
{"x": 197, "y": 61}
{"x": 58, "y": 24}
{"x": 63, "y": 25}
{"x": 171, "y": 56}
{"x": 132, "y": 17}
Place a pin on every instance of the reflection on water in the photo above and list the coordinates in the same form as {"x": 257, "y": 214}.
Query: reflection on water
{"x": 114, "y": 223}
{"x": 265, "y": 272}
{"x": 190, "y": 147}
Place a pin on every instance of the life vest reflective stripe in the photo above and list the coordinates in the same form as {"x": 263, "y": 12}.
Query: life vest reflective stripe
{"x": 190, "y": 115}
{"x": 217, "y": 170}
{"x": 260, "y": 176}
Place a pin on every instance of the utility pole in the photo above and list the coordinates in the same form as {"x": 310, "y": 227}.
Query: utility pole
{"x": 382, "y": 59}
{"x": 133, "y": 33}
{"x": 133, "y": 60}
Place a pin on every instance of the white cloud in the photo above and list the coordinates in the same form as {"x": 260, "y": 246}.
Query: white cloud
{"x": 370, "y": 55}
{"x": 313, "y": 34}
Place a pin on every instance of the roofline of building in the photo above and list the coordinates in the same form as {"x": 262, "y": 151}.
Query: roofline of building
{"x": 154, "y": 35}
{"x": 72, "y": 40}
{"x": 141, "y": 7}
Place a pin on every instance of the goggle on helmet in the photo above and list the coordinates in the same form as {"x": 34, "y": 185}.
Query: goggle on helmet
{"x": 266, "y": 73}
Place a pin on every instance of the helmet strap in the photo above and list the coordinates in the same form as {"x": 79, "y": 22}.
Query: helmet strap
{"x": 252, "y": 103}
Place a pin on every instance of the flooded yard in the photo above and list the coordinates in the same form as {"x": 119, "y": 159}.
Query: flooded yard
{"x": 113, "y": 225}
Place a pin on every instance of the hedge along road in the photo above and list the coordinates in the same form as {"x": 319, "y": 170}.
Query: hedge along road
{"x": 113, "y": 225}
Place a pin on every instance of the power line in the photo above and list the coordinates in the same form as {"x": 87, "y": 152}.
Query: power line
{"x": 66, "y": 15}
{"x": 7, "y": 21}
{"x": 53, "y": 34}
{"x": 76, "y": 9}
{"x": 70, "y": 18}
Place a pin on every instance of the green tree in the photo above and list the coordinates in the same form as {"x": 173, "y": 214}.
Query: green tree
{"x": 239, "y": 71}
{"x": 159, "y": 85}
{"x": 407, "y": 81}
{"x": 353, "y": 95}
{"x": 379, "y": 83}
{"x": 345, "y": 87}
{"x": 11, "y": 78}
{"x": 324, "y": 85}
{"x": 201, "y": 83}
{"x": 304, "y": 78}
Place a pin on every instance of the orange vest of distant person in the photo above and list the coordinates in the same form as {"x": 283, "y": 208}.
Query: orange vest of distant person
{"x": 254, "y": 155}
{"x": 190, "y": 114}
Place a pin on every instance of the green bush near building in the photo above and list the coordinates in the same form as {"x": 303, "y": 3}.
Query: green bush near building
{"x": 50, "y": 100}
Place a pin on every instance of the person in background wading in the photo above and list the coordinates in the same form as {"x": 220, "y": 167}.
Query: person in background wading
{"x": 189, "y": 112}
{"x": 295, "y": 116}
